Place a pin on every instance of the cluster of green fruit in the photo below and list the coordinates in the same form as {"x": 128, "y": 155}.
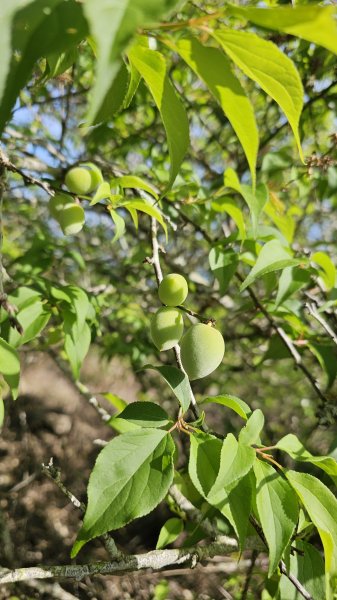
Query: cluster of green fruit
{"x": 202, "y": 346}
{"x": 68, "y": 213}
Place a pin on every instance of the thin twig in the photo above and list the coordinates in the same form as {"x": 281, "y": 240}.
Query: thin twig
{"x": 80, "y": 387}
{"x": 297, "y": 584}
{"x": 55, "y": 475}
{"x": 28, "y": 179}
{"x": 249, "y": 575}
{"x": 286, "y": 341}
{"x": 312, "y": 309}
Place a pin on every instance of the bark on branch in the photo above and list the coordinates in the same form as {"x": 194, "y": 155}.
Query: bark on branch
{"x": 156, "y": 561}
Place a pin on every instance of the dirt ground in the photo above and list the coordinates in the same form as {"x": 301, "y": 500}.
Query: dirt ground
{"x": 38, "y": 524}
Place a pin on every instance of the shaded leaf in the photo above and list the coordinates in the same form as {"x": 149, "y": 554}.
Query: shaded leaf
{"x": 145, "y": 414}
{"x": 38, "y": 30}
{"x": 291, "y": 280}
{"x": 114, "y": 97}
{"x": 223, "y": 264}
{"x": 178, "y": 382}
{"x": 112, "y": 25}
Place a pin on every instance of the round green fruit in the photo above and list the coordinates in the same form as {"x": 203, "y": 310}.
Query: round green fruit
{"x": 71, "y": 219}
{"x": 58, "y": 203}
{"x": 167, "y": 326}
{"x": 202, "y": 350}
{"x": 79, "y": 181}
{"x": 96, "y": 176}
{"x": 173, "y": 290}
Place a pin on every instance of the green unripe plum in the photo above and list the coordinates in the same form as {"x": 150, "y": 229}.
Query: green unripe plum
{"x": 79, "y": 181}
{"x": 71, "y": 219}
{"x": 202, "y": 350}
{"x": 173, "y": 290}
{"x": 167, "y": 326}
{"x": 58, "y": 203}
{"x": 96, "y": 177}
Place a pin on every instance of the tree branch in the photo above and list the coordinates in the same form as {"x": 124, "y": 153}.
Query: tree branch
{"x": 155, "y": 560}
{"x": 312, "y": 309}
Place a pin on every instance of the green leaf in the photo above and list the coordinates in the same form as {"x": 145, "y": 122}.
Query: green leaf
{"x": 230, "y": 206}
{"x": 135, "y": 78}
{"x": 116, "y": 401}
{"x": 236, "y": 506}
{"x": 145, "y": 414}
{"x": 220, "y": 473}
{"x": 137, "y": 183}
{"x": 236, "y": 460}
{"x": 307, "y": 566}
{"x": 277, "y": 509}
{"x": 10, "y": 366}
{"x": 7, "y": 11}
{"x": 232, "y": 402}
{"x": 103, "y": 192}
{"x": 57, "y": 64}
{"x": 273, "y": 257}
{"x": 292, "y": 446}
{"x": 250, "y": 434}
{"x": 39, "y": 29}
{"x": 321, "y": 505}
{"x": 112, "y": 25}
{"x": 223, "y": 264}
{"x": 227, "y": 90}
{"x": 264, "y": 63}
{"x": 329, "y": 270}
{"x": 132, "y": 474}
{"x": 169, "y": 532}
{"x": 178, "y": 382}
{"x": 326, "y": 356}
{"x": 114, "y": 97}
{"x": 76, "y": 344}
{"x": 292, "y": 279}
{"x": 204, "y": 461}
{"x": 152, "y": 66}
{"x": 119, "y": 225}
{"x": 256, "y": 201}
{"x": 2, "y": 412}
{"x": 148, "y": 209}
{"x": 316, "y": 24}
{"x": 33, "y": 319}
